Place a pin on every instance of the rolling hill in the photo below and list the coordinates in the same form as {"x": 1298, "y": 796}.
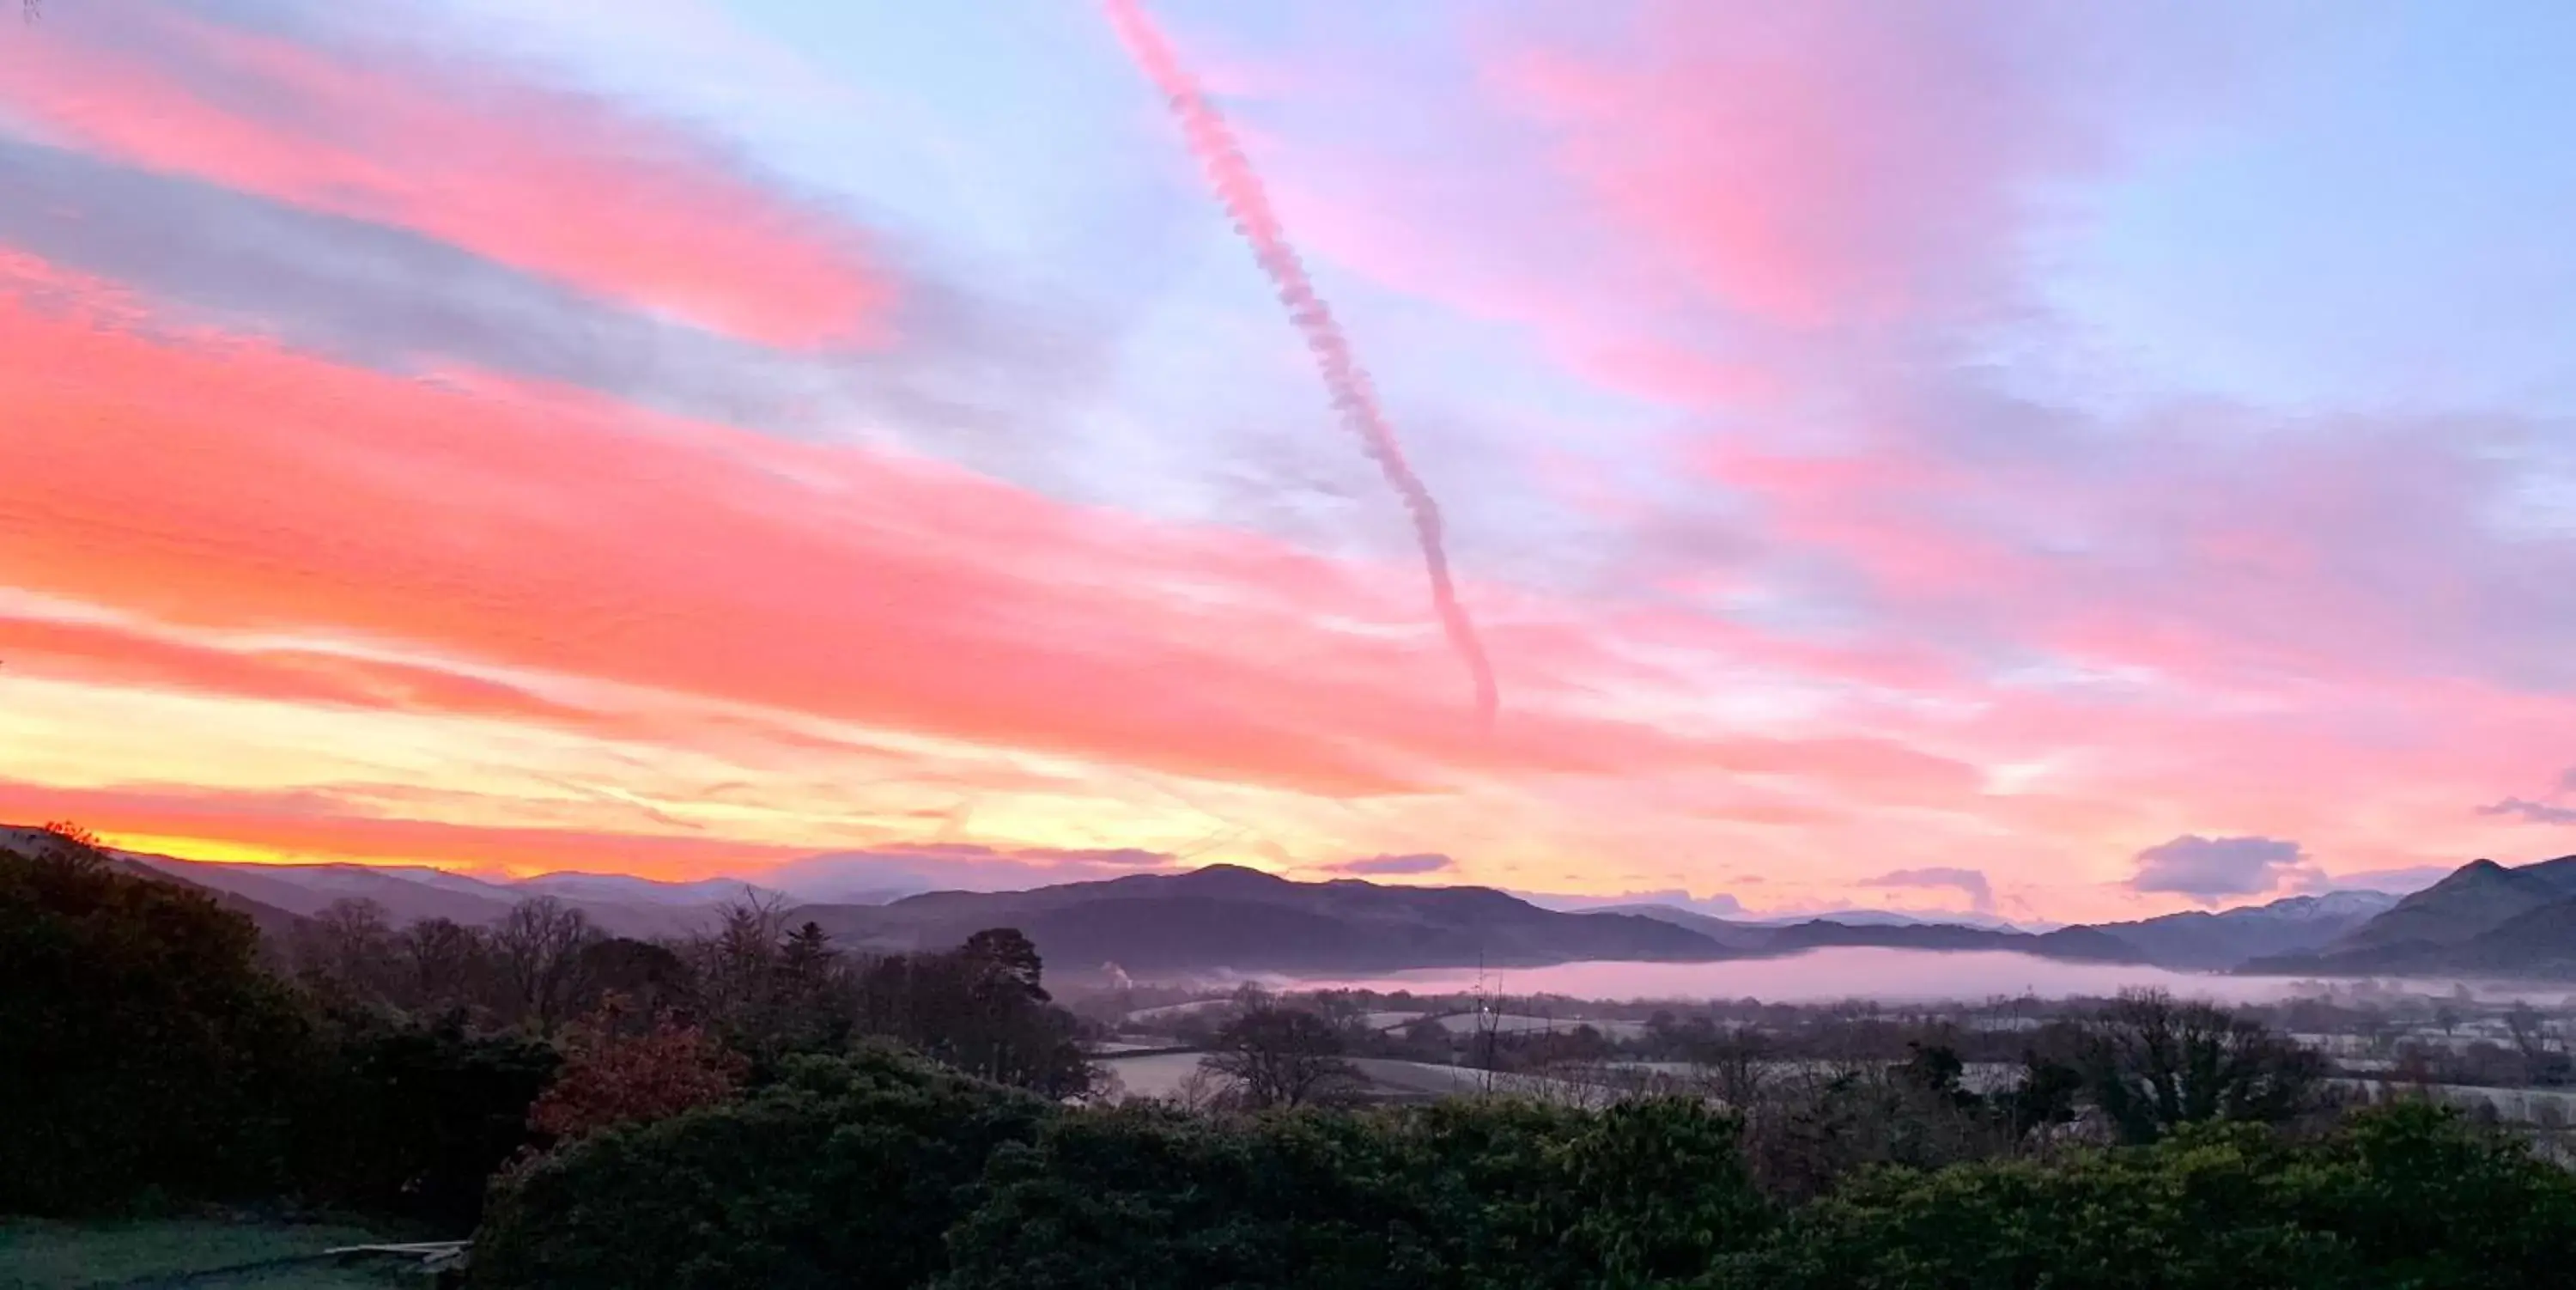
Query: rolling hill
{"x": 1229, "y": 917}
{"x": 273, "y": 922}
{"x": 277, "y": 894}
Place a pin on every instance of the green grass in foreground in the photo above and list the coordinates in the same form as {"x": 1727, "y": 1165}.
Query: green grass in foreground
{"x": 182, "y": 1252}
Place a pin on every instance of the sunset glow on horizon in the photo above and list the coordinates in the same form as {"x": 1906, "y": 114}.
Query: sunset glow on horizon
{"x": 1923, "y": 457}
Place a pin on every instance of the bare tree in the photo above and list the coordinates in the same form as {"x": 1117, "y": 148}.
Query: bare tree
{"x": 2531, "y": 1038}
{"x": 537, "y": 947}
{"x": 1732, "y": 1067}
{"x": 2153, "y": 1063}
{"x": 1280, "y": 1057}
{"x": 2447, "y": 1016}
{"x": 1201, "y": 1090}
{"x": 1811, "y": 1126}
{"x": 348, "y": 947}
{"x": 444, "y": 964}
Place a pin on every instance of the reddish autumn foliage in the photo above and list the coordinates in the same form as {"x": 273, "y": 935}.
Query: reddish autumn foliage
{"x": 610, "y": 1078}
{"x": 66, "y": 833}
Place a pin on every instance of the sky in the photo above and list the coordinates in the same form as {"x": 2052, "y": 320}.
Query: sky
{"x": 2051, "y": 462}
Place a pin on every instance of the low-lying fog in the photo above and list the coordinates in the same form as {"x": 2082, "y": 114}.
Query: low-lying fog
{"x": 1851, "y": 973}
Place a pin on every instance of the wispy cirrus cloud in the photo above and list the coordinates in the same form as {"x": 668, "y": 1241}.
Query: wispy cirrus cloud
{"x": 583, "y": 471}
{"x": 317, "y": 116}
{"x": 891, "y": 591}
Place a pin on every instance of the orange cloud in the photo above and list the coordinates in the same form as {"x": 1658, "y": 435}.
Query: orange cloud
{"x": 212, "y": 486}
{"x": 553, "y": 183}
{"x": 100, "y": 654}
{"x": 310, "y": 826}
{"x": 203, "y": 484}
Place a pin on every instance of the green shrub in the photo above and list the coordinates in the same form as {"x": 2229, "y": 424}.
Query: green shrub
{"x": 2425, "y": 1200}
{"x": 2406, "y": 1198}
{"x": 843, "y": 1172}
{"x": 1461, "y": 1194}
{"x": 1159, "y": 1200}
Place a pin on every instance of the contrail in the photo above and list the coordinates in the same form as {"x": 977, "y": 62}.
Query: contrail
{"x": 1238, "y": 186}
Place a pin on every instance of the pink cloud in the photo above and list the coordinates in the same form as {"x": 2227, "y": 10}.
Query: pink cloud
{"x": 222, "y": 487}
{"x": 1983, "y": 636}
{"x": 1657, "y": 193}
{"x": 104, "y": 655}
{"x": 1812, "y": 164}
{"x": 558, "y": 184}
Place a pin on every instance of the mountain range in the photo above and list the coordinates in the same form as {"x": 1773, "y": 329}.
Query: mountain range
{"x": 1224, "y": 916}
{"x": 1229, "y": 917}
{"x": 1772, "y": 937}
{"x": 2484, "y": 918}
{"x": 2197, "y": 940}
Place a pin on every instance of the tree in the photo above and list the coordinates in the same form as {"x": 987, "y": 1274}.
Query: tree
{"x": 2152, "y": 1064}
{"x": 807, "y": 955}
{"x": 348, "y": 949}
{"x": 406, "y": 1118}
{"x": 736, "y": 968}
{"x": 142, "y": 1046}
{"x": 1483, "y": 1192}
{"x": 633, "y": 983}
{"x": 815, "y": 1010}
{"x": 63, "y": 839}
{"x": 1281, "y": 1057}
{"x": 769, "y": 991}
{"x": 537, "y": 946}
{"x": 1732, "y": 1066}
{"x": 445, "y": 966}
{"x": 1654, "y": 1191}
{"x": 2541, "y": 1064}
{"x": 1011, "y": 959}
{"x": 2044, "y": 1096}
{"x": 613, "y": 1076}
{"x": 1811, "y": 1131}
{"x": 981, "y": 1008}
{"x": 2403, "y": 1197}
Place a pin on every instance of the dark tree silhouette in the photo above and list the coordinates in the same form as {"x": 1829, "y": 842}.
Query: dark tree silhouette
{"x": 1280, "y": 1057}
{"x": 1012, "y": 956}
{"x": 142, "y": 1045}
{"x": 2153, "y": 1064}
{"x": 538, "y": 947}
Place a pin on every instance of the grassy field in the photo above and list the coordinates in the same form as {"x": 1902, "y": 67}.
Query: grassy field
{"x": 183, "y": 1252}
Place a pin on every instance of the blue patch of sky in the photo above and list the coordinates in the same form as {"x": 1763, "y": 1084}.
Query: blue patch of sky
{"x": 1015, "y": 144}
{"x": 2383, "y": 227}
